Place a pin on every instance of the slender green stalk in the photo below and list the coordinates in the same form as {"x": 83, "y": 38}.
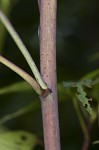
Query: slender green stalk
{"x": 23, "y": 74}
{"x": 23, "y": 49}
{"x": 13, "y": 115}
{"x": 81, "y": 120}
{"x": 17, "y": 113}
{"x": 83, "y": 126}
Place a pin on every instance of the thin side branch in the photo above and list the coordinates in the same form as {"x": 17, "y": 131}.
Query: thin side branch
{"x": 23, "y": 74}
{"x": 81, "y": 119}
{"x": 22, "y": 48}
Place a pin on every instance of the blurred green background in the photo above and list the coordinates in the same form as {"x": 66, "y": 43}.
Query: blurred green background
{"x": 77, "y": 55}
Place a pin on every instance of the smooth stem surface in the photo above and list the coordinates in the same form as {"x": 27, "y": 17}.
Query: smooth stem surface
{"x": 48, "y": 71}
{"x": 22, "y": 48}
{"x": 23, "y": 74}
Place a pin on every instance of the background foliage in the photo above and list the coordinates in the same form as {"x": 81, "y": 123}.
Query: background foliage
{"x": 77, "y": 55}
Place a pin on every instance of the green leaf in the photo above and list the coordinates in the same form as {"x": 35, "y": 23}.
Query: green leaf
{"x": 17, "y": 140}
{"x": 83, "y": 99}
{"x": 17, "y": 113}
{"x": 69, "y": 84}
{"x": 16, "y": 87}
{"x": 62, "y": 93}
{"x": 3, "y": 129}
{"x": 81, "y": 94}
{"x": 91, "y": 75}
{"x": 94, "y": 57}
{"x": 96, "y": 142}
{"x": 87, "y": 83}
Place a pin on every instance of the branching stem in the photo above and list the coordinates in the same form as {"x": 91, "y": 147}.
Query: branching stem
{"x": 23, "y": 49}
{"x": 23, "y": 74}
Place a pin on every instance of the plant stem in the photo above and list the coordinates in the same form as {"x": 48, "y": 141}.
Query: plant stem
{"x": 23, "y": 49}
{"x": 23, "y": 74}
{"x": 86, "y": 144}
{"x": 83, "y": 125}
{"x": 81, "y": 119}
{"x": 48, "y": 71}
